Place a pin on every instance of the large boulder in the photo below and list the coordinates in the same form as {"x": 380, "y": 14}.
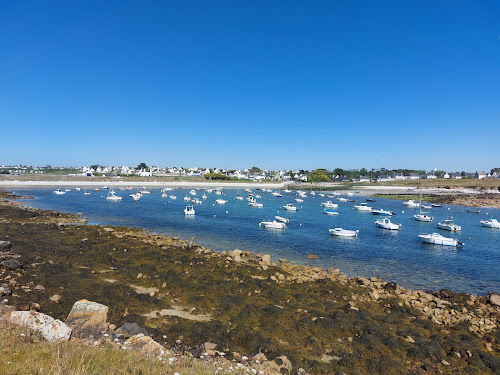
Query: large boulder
{"x": 87, "y": 319}
{"x": 51, "y": 329}
{"x": 146, "y": 345}
{"x": 494, "y": 299}
{"x": 11, "y": 264}
{"x": 131, "y": 329}
{"x": 5, "y": 246}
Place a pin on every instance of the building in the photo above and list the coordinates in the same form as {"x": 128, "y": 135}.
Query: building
{"x": 429, "y": 175}
{"x": 480, "y": 174}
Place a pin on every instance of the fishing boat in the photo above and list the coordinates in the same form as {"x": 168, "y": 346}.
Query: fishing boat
{"x": 272, "y": 224}
{"x": 113, "y": 197}
{"x": 382, "y": 212}
{"x": 59, "y": 192}
{"x": 290, "y": 207}
{"x": 449, "y": 225}
{"x": 492, "y": 223}
{"x": 329, "y": 204}
{"x": 363, "y": 207}
{"x": 437, "y": 239}
{"x": 189, "y": 210}
{"x": 282, "y": 219}
{"x": 370, "y": 200}
{"x": 220, "y": 201}
{"x": 330, "y": 211}
{"x": 387, "y": 224}
{"x": 343, "y": 232}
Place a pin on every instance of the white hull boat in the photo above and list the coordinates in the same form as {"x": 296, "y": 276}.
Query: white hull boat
{"x": 343, "y": 232}
{"x": 449, "y": 225}
{"x": 411, "y": 203}
{"x": 239, "y": 197}
{"x": 136, "y": 197}
{"x": 282, "y": 219}
{"x": 423, "y": 217}
{"x": 387, "y": 224}
{"x": 220, "y": 201}
{"x": 187, "y": 199}
{"x": 382, "y": 212}
{"x": 192, "y": 192}
{"x": 172, "y": 197}
{"x": 492, "y": 223}
{"x": 437, "y": 239}
{"x": 299, "y": 200}
{"x": 272, "y": 224}
{"x": 113, "y": 197}
{"x": 290, "y": 207}
{"x": 196, "y": 201}
{"x": 255, "y": 204}
{"x": 343, "y": 199}
{"x": 330, "y": 211}
{"x": 59, "y": 192}
{"x": 189, "y": 210}
{"x": 363, "y": 207}
{"x": 330, "y": 204}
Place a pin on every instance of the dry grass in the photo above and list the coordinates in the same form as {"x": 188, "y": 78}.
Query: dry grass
{"x": 25, "y": 353}
{"x": 487, "y": 183}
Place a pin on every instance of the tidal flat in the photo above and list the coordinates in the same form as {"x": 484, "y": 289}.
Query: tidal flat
{"x": 321, "y": 320}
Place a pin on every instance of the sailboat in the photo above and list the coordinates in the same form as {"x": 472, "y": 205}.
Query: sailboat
{"x": 422, "y": 216}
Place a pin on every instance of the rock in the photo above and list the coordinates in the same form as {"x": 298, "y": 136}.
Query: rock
{"x": 494, "y": 299}
{"x": 266, "y": 259}
{"x": 445, "y": 363}
{"x": 362, "y": 281}
{"x": 39, "y": 287}
{"x": 146, "y": 345}
{"x": 409, "y": 339}
{"x": 51, "y": 329}
{"x": 5, "y": 291}
{"x": 264, "y": 266}
{"x": 55, "y": 298}
{"x": 11, "y": 264}
{"x": 5, "y": 246}
{"x": 281, "y": 277}
{"x": 131, "y": 329}
{"x": 88, "y": 319}
{"x": 209, "y": 346}
{"x": 285, "y": 363}
{"x": 112, "y": 327}
{"x": 106, "y": 229}
{"x": 261, "y": 357}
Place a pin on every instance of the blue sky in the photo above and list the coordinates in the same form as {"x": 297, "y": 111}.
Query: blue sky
{"x": 277, "y": 84}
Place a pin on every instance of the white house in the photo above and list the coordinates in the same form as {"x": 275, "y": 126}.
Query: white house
{"x": 480, "y": 174}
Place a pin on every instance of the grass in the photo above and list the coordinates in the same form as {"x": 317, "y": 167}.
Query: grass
{"x": 487, "y": 183}
{"x": 25, "y": 353}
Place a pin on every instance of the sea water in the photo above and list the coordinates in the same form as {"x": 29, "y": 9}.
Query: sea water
{"x": 398, "y": 256}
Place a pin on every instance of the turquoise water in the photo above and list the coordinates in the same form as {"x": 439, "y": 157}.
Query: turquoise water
{"x": 397, "y": 256}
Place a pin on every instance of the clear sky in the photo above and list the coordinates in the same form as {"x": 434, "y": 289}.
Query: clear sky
{"x": 276, "y": 84}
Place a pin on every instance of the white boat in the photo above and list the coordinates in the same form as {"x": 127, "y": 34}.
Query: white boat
{"x": 220, "y": 201}
{"x": 312, "y": 192}
{"x": 330, "y": 211}
{"x": 363, "y": 207}
{"x": 86, "y": 193}
{"x": 290, "y": 207}
{"x": 164, "y": 195}
{"x": 204, "y": 196}
{"x": 218, "y": 192}
{"x": 192, "y": 192}
{"x": 343, "y": 199}
{"x": 426, "y": 207}
{"x": 113, "y": 197}
{"x": 349, "y": 194}
{"x": 196, "y": 201}
{"x": 145, "y": 191}
{"x": 299, "y": 200}
{"x": 321, "y": 195}
{"x": 59, "y": 192}
{"x": 423, "y": 217}
{"x": 255, "y": 204}
{"x": 437, "y": 239}
{"x": 387, "y": 224}
{"x": 67, "y": 190}
{"x": 172, "y": 197}
{"x": 277, "y": 194}
{"x": 189, "y": 210}
{"x": 78, "y": 188}
{"x": 411, "y": 203}
{"x": 239, "y": 197}
{"x": 449, "y": 225}
{"x": 257, "y": 196}
{"x": 248, "y": 190}
{"x": 287, "y": 191}
{"x": 329, "y": 204}
{"x": 136, "y": 197}
{"x": 492, "y": 223}
{"x": 167, "y": 189}
{"x": 343, "y": 232}
{"x": 382, "y": 212}
{"x": 187, "y": 199}
{"x": 272, "y": 224}
{"x": 282, "y": 219}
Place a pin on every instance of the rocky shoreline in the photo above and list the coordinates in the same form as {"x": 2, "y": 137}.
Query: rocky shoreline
{"x": 321, "y": 321}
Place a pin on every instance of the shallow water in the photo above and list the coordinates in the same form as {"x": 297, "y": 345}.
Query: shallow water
{"x": 397, "y": 256}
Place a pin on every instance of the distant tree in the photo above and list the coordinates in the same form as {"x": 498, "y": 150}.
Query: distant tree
{"x": 495, "y": 170}
{"x": 142, "y": 166}
{"x": 439, "y": 173}
{"x": 319, "y": 175}
{"x": 339, "y": 172}
{"x": 216, "y": 176}
{"x": 363, "y": 171}
{"x": 462, "y": 173}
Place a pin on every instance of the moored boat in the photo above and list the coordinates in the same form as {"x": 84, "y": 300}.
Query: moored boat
{"x": 220, "y": 201}
{"x": 437, "y": 239}
{"x": 189, "y": 210}
{"x": 449, "y": 225}
{"x": 343, "y": 232}
{"x": 272, "y": 224}
{"x": 329, "y": 204}
{"x": 290, "y": 207}
{"x": 492, "y": 223}
{"x": 59, "y": 192}
{"x": 282, "y": 219}
{"x": 411, "y": 203}
{"x": 330, "y": 211}
{"x": 363, "y": 207}
{"x": 387, "y": 224}
{"x": 382, "y": 212}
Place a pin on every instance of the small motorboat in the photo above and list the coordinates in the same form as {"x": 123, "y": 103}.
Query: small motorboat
{"x": 330, "y": 211}
{"x": 272, "y": 224}
{"x": 239, "y": 197}
{"x": 492, "y": 223}
{"x": 192, "y": 192}
{"x": 387, "y": 224}
{"x": 426, "y": 207}
{"x": 299, "y": 200}
{"x": 221, "y": 201}
{"x": 187, "y": 199}
{"x": 437, "y": 239}
{"x": 59, "y": 192}
{"x": 290, "y": 207}
{"x": 145, "y": 191}
{"x": 287, "y": 191}
{"x": 423, "y": 217}
{"x": 343, "y": 232}
{"x": 473, "y": 211}
{"x": 189, "y": 210}
{"x": 329, "y": 204}
{"x": 449, "y": 225}
{"x": 78, "y": 188}
{"x": 277, "y": 194}
{"x": 382, "y": 212}
{"x": 196, "y": 201}
{"x": 363, "y": 207}
{"x": 113, "y": 197}
{"x": 218, "y": 192}
{"x": 435, "y": 205}
{"x": 370, "y": 200}
{"x": 282, "y": 219}
{"x": 343, "y": 199}
{"x": 136, "y": 197}
{"x": 255, "y": 204}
